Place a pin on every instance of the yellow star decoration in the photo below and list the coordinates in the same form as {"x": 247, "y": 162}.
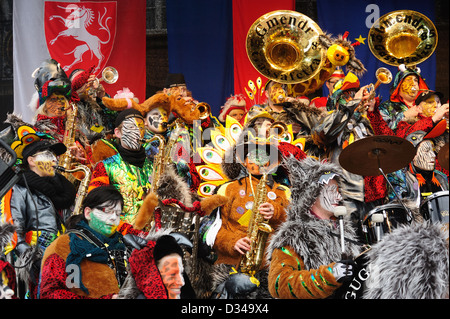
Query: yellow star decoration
{"x": 360, "y": 39}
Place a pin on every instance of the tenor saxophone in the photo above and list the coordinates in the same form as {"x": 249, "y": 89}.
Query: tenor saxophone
{"x": 66, "y": 159}
{"x": 258, "y": 232}
{"x": 82, "y": 188}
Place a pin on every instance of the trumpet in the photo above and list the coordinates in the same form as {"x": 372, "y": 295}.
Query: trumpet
{"x": 109, "y": 75}
{"x": 384, "y": 76}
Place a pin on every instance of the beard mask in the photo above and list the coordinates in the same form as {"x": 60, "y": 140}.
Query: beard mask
{"x": 132, "y": 133}
{"x": 425, "y": 156}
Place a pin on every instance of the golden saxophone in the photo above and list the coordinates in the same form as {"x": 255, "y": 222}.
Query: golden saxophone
{"x": 258, "y": 232}
{"x": 66, "y": 159}
{"x": 82, "y": 188}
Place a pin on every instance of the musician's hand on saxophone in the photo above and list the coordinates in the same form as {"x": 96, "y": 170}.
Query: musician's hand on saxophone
{"x": 78, "y": 153}
{"x": 267, "y": 210}
{"x": 242, "y": 245}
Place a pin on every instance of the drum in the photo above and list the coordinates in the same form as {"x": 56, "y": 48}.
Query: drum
{"x": 435, "y": 207}
{"x": 393, "y": 215}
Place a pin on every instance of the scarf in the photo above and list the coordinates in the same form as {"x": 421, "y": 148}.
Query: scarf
{"x": 136, "y": 158}
{"x": 57, "y": 188}
{"x": 80, "y": 248}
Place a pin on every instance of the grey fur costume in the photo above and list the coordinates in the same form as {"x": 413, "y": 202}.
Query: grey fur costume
{"x": 412, "y": 262}
{"x": 317, "y": 241}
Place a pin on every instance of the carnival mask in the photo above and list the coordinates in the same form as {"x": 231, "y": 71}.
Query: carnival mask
{"x": 132, "y": 132}
{"x": 171, "y": 269}
{"x": 45, "y": 163}
{"x": 277, "y": 93}
{"x": 330, "y": 197}
{"x": 425, "y": 156}
{"x": 409, "y": 87}
{"x": 157, "y": 120}
{"x": 56, "y": 105}
{"x": 105, "y": 220}
{"x": 429, "y": 105}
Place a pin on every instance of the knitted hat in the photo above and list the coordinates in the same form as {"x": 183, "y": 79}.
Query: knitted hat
{"x": 60, "y": 86}
{"x": 79, "y": 79}
{"x": 233, "y": 102}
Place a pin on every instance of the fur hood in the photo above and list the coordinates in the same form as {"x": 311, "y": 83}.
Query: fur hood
{"x": 412, "y": 262}
{"x": 317, "y": 241}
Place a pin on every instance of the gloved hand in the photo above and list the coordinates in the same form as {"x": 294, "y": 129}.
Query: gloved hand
{"x": 343, "y": 270}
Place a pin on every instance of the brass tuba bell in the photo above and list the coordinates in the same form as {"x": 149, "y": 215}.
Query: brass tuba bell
{"x": 403, "y": 37}
{"x": 284, "y": 46}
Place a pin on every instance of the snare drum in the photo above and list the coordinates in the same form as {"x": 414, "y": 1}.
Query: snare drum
{"x": 435, "y": 207}
{"x": 393, "y": 215}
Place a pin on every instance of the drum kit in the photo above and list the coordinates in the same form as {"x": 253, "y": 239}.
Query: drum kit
{"x": 381, "y": 155}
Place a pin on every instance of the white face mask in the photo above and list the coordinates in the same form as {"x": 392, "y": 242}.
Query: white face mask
{"x": 105, "y": 220}
{"x": 425, "y": 156}
{"x": 330, "y": 197}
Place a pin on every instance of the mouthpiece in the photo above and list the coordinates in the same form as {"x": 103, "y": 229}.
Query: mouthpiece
{"x": 340, "y": 211}
{"x": 59, "y": 168}
{"x": 377, "y": 218}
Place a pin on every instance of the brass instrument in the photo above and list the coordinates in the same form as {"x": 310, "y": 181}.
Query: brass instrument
{"x": 158, "y": 161}
{"x": 284, "y": 46}
{"x": 403, "y": 37}
{"x": 66, "y": 159}
{"x": 109, "y": 75}
{"x": 384, "y": 76}
{"x": 204, "y": 109}
{"x": 82, "y": 188}
{"x": 258, "y": 232}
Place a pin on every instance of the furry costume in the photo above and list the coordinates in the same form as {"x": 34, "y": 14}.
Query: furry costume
{"x": 412, "y": 262}
{"x": 7, "y": 272}
{"x": 98, "y": 278}
{"x": 304, "y": 247}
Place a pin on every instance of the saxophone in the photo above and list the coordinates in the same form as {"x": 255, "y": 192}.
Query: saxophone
{"x": 82, "y": 188}
{"x": 258, "y": 232}
{"x": 66, "y": 159}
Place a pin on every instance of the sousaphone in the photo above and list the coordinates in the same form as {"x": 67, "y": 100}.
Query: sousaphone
{"x": 284, "y": 46}
{"x": 403, "y": 37}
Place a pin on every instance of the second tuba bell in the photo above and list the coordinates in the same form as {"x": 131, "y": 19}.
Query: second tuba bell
{"x": 403, "y": 37}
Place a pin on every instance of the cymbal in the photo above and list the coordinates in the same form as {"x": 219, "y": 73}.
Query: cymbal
{"x": 443, "y": 157}
{"x": 365, "y": 156}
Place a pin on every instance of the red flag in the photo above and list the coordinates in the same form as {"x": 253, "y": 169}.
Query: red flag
{"x": 245, "y": 14}
{"x": 100, "y": 33}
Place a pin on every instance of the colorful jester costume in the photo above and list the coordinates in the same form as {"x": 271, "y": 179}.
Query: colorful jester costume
{"x": 132, "y": 181}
